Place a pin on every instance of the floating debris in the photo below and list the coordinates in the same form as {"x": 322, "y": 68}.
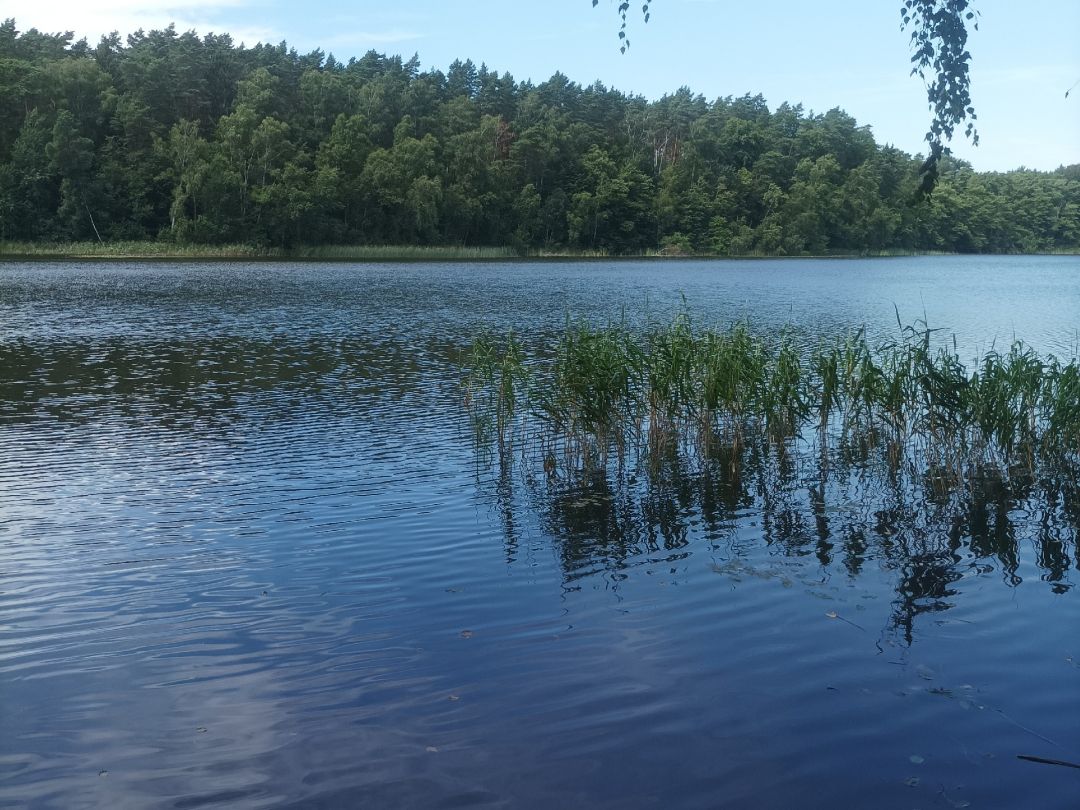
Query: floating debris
{"x": 832, "y": 614}
{"x": 1044, "y": 761}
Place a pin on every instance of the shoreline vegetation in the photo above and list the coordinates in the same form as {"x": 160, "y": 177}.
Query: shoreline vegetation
{"x": 169, "y": 251}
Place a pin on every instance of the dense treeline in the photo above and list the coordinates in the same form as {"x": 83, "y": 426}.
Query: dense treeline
{"x": 176, "y": 137}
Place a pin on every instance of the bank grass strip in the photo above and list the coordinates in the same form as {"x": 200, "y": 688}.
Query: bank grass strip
{"x": 180, "y": 251}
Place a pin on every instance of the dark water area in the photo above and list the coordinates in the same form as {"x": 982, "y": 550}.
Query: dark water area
{"x": 251, "y": 557}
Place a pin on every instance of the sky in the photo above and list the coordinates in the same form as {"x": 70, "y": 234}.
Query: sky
{"x": 832, "y": 53}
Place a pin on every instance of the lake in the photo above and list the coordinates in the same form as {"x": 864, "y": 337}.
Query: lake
{"x": 250, "y": 556}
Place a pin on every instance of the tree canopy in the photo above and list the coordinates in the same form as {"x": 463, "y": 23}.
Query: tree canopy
{"x": 173, "y": 136}
{"x": 939, "y": 34}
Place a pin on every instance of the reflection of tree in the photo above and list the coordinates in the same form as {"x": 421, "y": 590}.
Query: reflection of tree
{"x": 201, "y": 379}
{"x": 924, "y": 587}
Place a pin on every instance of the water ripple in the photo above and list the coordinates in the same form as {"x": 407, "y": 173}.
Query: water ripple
{"x": 248, "y": 557}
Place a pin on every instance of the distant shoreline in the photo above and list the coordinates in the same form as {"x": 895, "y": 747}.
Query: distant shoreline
{"x": 164, "y": 251}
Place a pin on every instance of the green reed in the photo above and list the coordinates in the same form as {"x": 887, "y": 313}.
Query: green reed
{"x": 496, "y": 386}
{"x": 1061, "y": 406}
{"x": 730, "y": 368}
{"x": 1003, "y": 400}
{"x": 592, "y": 391}
{"x": 784, "y": 400}
{"x": 849, "y": 383}
{"x": 670, "y": 363}
{"x": 607, "y": 389}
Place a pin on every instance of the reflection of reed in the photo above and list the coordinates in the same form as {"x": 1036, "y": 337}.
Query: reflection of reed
{"x": 606, "y": 522}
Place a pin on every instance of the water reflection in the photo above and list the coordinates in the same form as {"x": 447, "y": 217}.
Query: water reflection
{"x": 243, "y": 530}
{"x": 206, "y": 380}
{"x": 845, "y": 508}
{"x": 843, "y": 512}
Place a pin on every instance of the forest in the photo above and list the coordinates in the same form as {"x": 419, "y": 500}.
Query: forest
{"x": 177, "y": 138}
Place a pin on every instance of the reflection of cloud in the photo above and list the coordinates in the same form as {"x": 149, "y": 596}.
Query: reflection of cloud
{"x": 92, "y": 20}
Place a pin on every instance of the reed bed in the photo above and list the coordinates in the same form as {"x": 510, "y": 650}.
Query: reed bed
{"x": 403, "y": 252}
{"x": 605, "y": 391}
{"x": 151, "y": 249}
{"x": 171, "y": 250}
{"x": 127, "y": 250}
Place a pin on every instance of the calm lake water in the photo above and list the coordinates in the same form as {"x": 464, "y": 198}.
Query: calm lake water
{"x": 249, "y": 557}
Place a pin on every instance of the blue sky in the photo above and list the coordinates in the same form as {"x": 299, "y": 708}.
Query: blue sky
{"x": 845, "y": 53}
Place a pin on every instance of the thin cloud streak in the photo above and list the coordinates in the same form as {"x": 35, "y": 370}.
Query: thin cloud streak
{"x": 372, "y": 37}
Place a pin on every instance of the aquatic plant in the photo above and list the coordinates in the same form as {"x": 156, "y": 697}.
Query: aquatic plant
{"x": 1060, "y": 400}
{"x": 732, "y": 366}
{"x": 670, "y": 362}
{"x": 783, "y": 401}
{"x": 672, "y": 388}
{"x": 591, "y": 395}
{"x": 495, "y": 386}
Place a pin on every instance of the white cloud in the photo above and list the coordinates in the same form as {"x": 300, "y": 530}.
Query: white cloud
{"x": 97, "y": 17}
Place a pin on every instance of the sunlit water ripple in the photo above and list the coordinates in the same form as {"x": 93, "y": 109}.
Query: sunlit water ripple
{"x": 250, "y": 558}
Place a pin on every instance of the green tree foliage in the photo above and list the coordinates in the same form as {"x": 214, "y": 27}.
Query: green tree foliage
{"x": 174, "y": 137}
{"x": 939, "y": 34}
